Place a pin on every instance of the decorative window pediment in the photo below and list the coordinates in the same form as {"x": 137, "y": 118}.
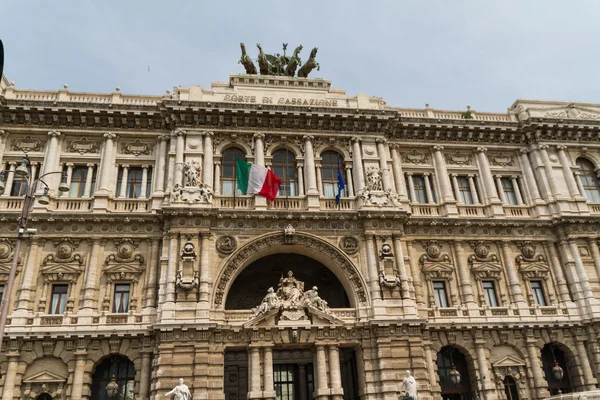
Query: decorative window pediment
{"x": 46, "y": 376}
{"x": 530, "y": 265}
{"x": 6, "y": 255}
{"x": 508, "y": 361}
{"x": 64, "y": 265}
{"x": 125, "y": 264}
{"x": 434, "y": 264}
{"x": 484, "y": 265}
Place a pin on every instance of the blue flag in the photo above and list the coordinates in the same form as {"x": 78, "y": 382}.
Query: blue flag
{"x": 341, "y": 187}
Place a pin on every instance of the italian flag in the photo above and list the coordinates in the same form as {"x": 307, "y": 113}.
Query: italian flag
{"x": 255, "y": 179}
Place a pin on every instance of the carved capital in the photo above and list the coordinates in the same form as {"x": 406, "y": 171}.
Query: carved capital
{"x": 180, "y": 132}
{"x": 356, "y": 139}
{"x": 498, "y": 176}
{"x": 454, "y": 175}
{"x": 125, "y": 165}
{"x": 524, "y": 151}
{"x": 110, "y": 136}
{"x": 209, "y": 133}
{"x": 259, "y": 136}
{"x": 90, "y": 165}
{"x": 163, "y": 138}
{"x": 54, "y": 134}
{"x": 543, "y": 147}
{"x": 381, "y": 140}
{"x": 437, "y": 147}
{"x": 70, "y": 164}
{"x": 145, "y": 166}
{"x": 482, "y": 149}
{"x": 409, "y": 174}
{"x": 561, "y": 148}
{"x": 308, "y": 138}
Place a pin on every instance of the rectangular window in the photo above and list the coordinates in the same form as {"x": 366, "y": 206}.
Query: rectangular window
{"x": 133, "y": 188}
{"x": 59, "y": 299}
{"x": 439, "y": 293}
{"x": 509, "y": 191}
{"x": 1, "y": 293}
{"x": 79, "y": 177}
{"x": 464, "y": 190}
{"x": 284, "y": 381}
{"x": 121, "y": 300}
{"x": 538, "y": 293}
{"x": 489, "y": 292}
{"x": 419, "y": 190}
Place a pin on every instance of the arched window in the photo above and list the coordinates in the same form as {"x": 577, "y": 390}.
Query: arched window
{"x": 449, "y": 359}
{"x": 589, "y": 180}
{"x": 552, "y": 356}
{"x": 122, "y": 369}
{"x": 44, "y": 396}
{"x": 284, "y": 167}
{"x": 228, "y": 170}
{"x": 331, "y": 163}
{"x": 510, "y": 388}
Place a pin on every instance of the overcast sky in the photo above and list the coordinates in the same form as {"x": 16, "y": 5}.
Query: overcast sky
{"x": 446, "y": 53}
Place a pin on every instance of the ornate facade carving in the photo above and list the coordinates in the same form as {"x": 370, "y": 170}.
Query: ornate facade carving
{"x": 458, "y": 158}
{"x": 136, "y": 148}
{"x": 28, "y": 144}
{"x": 226, "y": 244}
{"x": 83, "y": 146}
{"x": 415, "y": 157}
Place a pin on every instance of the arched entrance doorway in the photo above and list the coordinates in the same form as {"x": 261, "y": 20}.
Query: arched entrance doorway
{"x": 451, "y": 361}
{"x": 122, "y": 369}
{"x": 554, "y": 358}
{"x": 251, "y": 285}
{"x": 44, "y": 396}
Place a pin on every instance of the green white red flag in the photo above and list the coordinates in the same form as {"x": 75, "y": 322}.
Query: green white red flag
{"x": 256, "y": 179}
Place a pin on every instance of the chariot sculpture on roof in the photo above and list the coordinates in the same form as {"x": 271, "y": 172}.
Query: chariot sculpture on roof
{"x": 278, "y": 64}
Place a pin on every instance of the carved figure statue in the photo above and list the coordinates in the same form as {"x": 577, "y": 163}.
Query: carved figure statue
{"x": 290, "y": 290}
{"x": 263, "y": 63}
{"x": 180, "y": 392}
{"x": 312, "y": 298}
{"x": 206, "y": 193}
{"x": 191, "y": 169}
{"x": 246, "y": 61}
{"x": 374, "y": 179}
{"x": 409, "y": 386}
{"x": 295, "y": 61}
{"x": 270, "y": 302}
{"x": 309, "y": 65}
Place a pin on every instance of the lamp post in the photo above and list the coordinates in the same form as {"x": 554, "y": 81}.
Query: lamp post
{"x": 23, "y": 171}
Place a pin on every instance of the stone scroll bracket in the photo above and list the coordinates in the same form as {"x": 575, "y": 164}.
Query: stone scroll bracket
{"x": 300, "y": 243}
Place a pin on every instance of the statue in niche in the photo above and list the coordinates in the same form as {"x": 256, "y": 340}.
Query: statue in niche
{"x": 374, "y": 179}
{"x": 180, "y": 392}
{"x": 191, "y": 171}
{"x": 270, "y": 302}
{"x": 409, "y": 387}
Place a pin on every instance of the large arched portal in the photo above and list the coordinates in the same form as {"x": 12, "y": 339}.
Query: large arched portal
{"x": 252, "y": 283}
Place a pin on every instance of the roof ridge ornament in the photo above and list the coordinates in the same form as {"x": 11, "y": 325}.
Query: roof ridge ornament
{"x": 277, "y": 64}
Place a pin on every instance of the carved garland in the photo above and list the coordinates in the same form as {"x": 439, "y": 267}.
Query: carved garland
{"x": 277, "y": 239}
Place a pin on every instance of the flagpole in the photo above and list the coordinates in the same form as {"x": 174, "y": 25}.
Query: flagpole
{"x": 234, "y": 180}
{"x": 287, "y": 198}
{"x": 338, "y": 184}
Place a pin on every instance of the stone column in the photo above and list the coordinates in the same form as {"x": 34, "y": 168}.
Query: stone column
{"x": 3, "y": 142}
{"x": 581, "y": 272}
{"x": 299, "y": 167}
{"x": 87, "y": 191}
{"x": 108, "y": 159}
{"x": 9, "y": 178}
{"x": 430, "y": 366}
{"x": 503, "y": 198}
{"x": 151, "y": 279}
{"x": 337, "y": 392}
{"x": 90, "y": 288}
{"x": 254, "y": 373}
{"x": 579, "y": 184}
{"x": 534, "y": 193}
{"x": 259, "y": 149}
{"x": 539, "y": 382}
{"x": 204, "y": 264}
{"x": 404, "y": 283}
{"x": 428, "y": 191}
{"x": 143, "y": 191}
{"x": 11, "y": 375}
{"x": 398, "y": 174}
{"x": 69, "y": 177}
{"x": 320, "y": 180}
{"x": 514, "y": 285}
{"x": 486, "y": 175}
{"x": 442, "y": 174}
{"x": 161, "y": 160}
{"x": 566, "y": 167}
{"x": 268, "y": 385}
{"x": 372, "y": 265}
{"x": 513, "y": 179}
{"x": 589, "y": 381}
{"x": 302, "y": 382}
{"x": 595, "y": 254}
{"x": 322, "y": 389}
{"x": 464, "y": 280}
{"x": 383, "y": 164}
{"x": 349, "y": 183}
{"x": 358, "y": 172}
{"x": 145, "y": 373}
{"x": 179, "y": 157}
{"x": 207, "y": 173}
{"x": 172, "y": 267}
{"x": 549, "y": 170}
{"x": 25, "y": 303}
{"x": 309, "y": 161}
{"x": 484, "y": 371}
{"x": 456, "y": 189}
{"x": 567, "y": 262}
{"x": 123, "y": 191}
{"x": 416, "y": 274}
{"x": 555, "y": 263}
{"x": 411, "y": 187}
{"x": 77, "y": 386}
{"x": 51, "y": 161}
{"x": 217, "y": 188}
{"x": 473, "y": 189}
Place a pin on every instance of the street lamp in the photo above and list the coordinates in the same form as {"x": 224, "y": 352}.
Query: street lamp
{"x": 23, "y": 172}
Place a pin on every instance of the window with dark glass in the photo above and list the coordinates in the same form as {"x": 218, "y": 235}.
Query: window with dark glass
{"x": 19, "y": 184}
{"x": 229, "y": 172}
{"x": 450, "y": 358}
{"x": 331, "y": 163}
{"x": 509, "y": 191}
{"x": 284, "y": 380}
{"x": 464, "y": 190}
{"x": 121, "y": 300}
{"x": 589, "y": 180}
{"x": 510, "y": 388}
{"x": 440, "y": 295}
{"x": 419, "y": 189}
{"x": 59, "y": 299}
{"x": 284, "y": 167}
{"x": 538, "y": 293}
{"x": 1, "y": 293}
{"x": 79, "y": 177}
{"x": 489, "y": 292}
{"x": 122, "y": 369}
{"x": 552, "y": 355}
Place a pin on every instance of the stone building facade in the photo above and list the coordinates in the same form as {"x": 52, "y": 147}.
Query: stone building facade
{"x": 463, "y": 243}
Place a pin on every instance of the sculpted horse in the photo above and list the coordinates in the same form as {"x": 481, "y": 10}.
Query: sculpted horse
{"x": 246, "y": 61}
{"x": 294, "y": 62}
{"x": 263, "y": 63}
{"x": 309, "y": 65}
